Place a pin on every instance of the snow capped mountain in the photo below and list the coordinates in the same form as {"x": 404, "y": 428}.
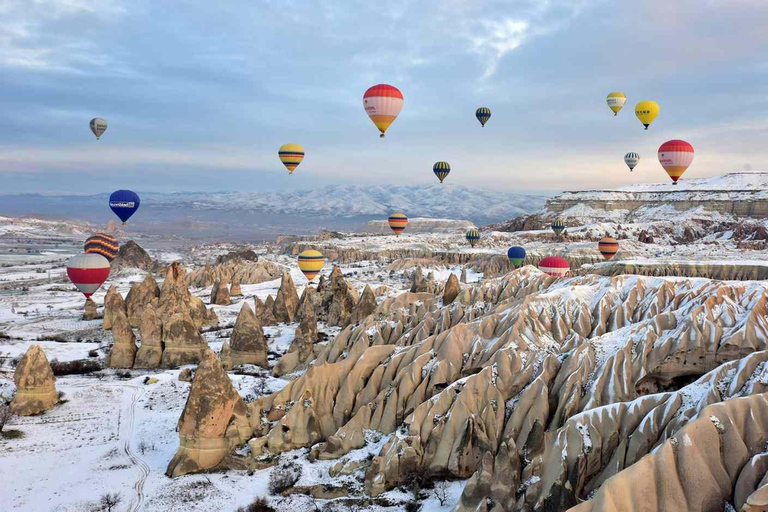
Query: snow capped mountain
{"x": 441, "y": 201}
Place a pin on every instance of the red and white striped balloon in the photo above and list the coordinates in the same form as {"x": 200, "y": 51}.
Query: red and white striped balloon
{"x": 88, "y": 272}
{"x": 554, "y": 266}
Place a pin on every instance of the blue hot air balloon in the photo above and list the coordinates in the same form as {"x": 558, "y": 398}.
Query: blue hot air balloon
{"x": 124, "y": 203}
{"x": 516, "y": 255}
{"x": 558, "y": 226}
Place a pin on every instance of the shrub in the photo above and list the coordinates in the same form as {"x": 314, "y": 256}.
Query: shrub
{"x": 123, "y": 374}
{"x": 283, "y": 477}
{"x": 259, "y": 504}
{"x": 412, "y": 506}
{"x": 110, "y": 500}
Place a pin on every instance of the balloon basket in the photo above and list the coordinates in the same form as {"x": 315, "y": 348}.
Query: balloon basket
{"x": 381, "y": 136}
{"x": 123, "y": 223}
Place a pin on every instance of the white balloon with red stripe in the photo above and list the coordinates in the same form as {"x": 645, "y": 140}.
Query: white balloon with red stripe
{"x": 88, "y": 272}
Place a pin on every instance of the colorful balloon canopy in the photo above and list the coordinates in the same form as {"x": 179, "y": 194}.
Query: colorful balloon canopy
{"x": 124, "y": 203}
{"x": 291, "y": 155}
{"x": 383, "y": 104}
{"x": 102, "y": 243}
{"x": 615, "y": 101}
{"x": 646, "y": 111}
{"x": 675, "y": 156}
{"x": 98, "y": 126}
{"x": 516, "y": 255}
{"x": 554, "y": 266}
{"x": 398, "y": 222}
{"x": 441, "y": 170}
{"x": 608, "y": 247}
{"x": 473, "y": 236}
{"x": 483, "y": 114}
{"x": 631, "y": 159}
{"x": 311, "y": 263}
{"x": 558, "y": 226}
{"x": 88, "y": 272}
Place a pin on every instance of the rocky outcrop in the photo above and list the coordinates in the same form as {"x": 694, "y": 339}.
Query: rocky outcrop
{"x": 123, "y": 350}
{"x": 287, "y": 301}
{"x": 131, "y": 255}
{"x": 91, "y": 311}
{"x": 300, "y": 352}
{"x": 247, "y": 344}
{"x": 214, "y": 420}
{"x": 140, "y": 297}
{"x": 176, "y": 298}
{"x": 365, "y": 306}
{"x": 113, "y": 301}
{"x": 183, "y": 344}
{"x": 264, "y": 311}
{"x": 186, "y": 375}
{"x": 150, "y": 353}
{"x": 728, "y": 271}
{"x": 35, "y": 384}
{"x": 451, "y": 290}
{"x": 338, "y": 299}
{"x": 220, "y": 294}
{"x": 235, "y": 269}
{"x": 463, "y": 277}
{"x": 235, "y": 290}
{"x": 238, "y": 256}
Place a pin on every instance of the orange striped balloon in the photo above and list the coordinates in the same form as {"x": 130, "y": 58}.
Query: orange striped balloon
{"x": 675, "y": 156}
{"x": 383, "y": 104}
{"x": 398, "y": 222}
{"x": 608, "y": 247}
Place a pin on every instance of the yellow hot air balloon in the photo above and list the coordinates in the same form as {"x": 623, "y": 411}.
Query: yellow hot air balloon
{"x": 646, "y": 111}
{"x": 291, "y": 155}
{"x": 311, "y": 263}
{"x": 615, "y": 101}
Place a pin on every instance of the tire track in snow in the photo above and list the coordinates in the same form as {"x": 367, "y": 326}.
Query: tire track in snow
{"x": 138, "y": 501}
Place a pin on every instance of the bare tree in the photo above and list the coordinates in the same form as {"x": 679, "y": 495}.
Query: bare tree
{"x": 110, "y": 500}
{"x": 5, "y": 413}
{"x": 441, "y": 492}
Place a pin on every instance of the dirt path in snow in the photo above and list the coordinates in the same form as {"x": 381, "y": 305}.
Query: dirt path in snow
{"x": 130, "y": 414}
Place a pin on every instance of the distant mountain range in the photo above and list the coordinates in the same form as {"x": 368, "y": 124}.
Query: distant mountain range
{"x": 340, "y": 201}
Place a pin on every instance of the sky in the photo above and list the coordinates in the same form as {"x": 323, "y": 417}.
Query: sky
{"x": 199, "y": 95}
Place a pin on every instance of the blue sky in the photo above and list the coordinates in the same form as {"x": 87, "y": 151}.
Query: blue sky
{"x": 200, "y": 95}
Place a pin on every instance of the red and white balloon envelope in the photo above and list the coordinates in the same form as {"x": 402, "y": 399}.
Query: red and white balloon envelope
{"x": 88, "y": 272}
{"x": 554, "y": 266}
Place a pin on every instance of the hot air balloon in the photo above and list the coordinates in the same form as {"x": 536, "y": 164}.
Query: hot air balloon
{"x": 291, "y": 155}
{"x": 98, "y": 126}
{"x": 398, "y": 222}
{"x": 646, "y": 111}
{"x": 441, "y": 170}
{"x": 124, "y": 203}
{"x": 311, "y": 263}
{"x": 675, "y": 156}
{"x": 483, "y": 114}
{"x": 615, "y": 101}
{"x": 383, "y": 103}
{"x": 558, "y": 226}
{"x": 608, "y": 247}
{"x": 103, "y": 244}
{"x": 631, "y": 159}
{"x": 473, "y": 236}
{"x": 516, "y": 255}
{"x": 88, "y": 272}
{"x": 554, "y": 266}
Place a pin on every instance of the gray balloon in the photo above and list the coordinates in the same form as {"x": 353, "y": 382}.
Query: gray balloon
{"x": 98, "y": 126}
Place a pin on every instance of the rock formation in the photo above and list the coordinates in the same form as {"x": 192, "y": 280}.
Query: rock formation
{"x": 247, "y": 344}
{"x": 91, "y": 310}
{"x": 150, "y": 353}
{"x": 452, "y": 289}
{"x": 244, "y": 255}
{"x": 214, "y": 420}
{"x": 235, "y": 267}
{"x": 365, "y": 306}
{"x": 35, "y": 384}
{"x": 186, "y": 375}
{"x": 220, "y": 294}
{"x": 463, "y": 278}
{"x": 183, "y": 344}
{"x": 265, "y": 310}
{"x": 123, "y": 350}
{"x": 176, "y": 298}
{"x": 235, "y": 290}
{"x": 287, "y": 301}
{"x": 131, "y": 255}
{"x": 113, "y": 301}
{"x": 140, "y": 297}
{"x": 338, "y": 299}
{"x": 543, "y": 392}
{"x": 300, "y": 351}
